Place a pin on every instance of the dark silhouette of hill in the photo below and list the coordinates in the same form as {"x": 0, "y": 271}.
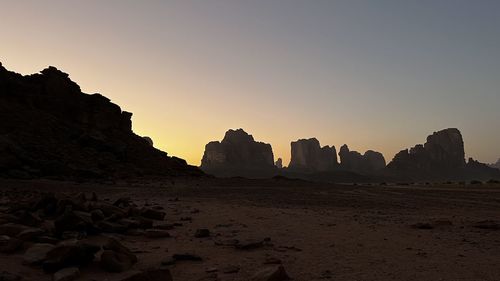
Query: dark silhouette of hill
{"x": 49, "y": 128}
{"x": 495, "y": 165}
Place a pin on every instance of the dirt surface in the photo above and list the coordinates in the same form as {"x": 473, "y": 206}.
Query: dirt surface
{"x": 318, "y": 232}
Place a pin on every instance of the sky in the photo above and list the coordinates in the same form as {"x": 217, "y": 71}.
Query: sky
{"x": 375, "y": 74}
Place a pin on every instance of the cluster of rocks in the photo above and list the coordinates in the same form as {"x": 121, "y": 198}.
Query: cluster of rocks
{"x": 51, "y": 129}
{"x": 54, "y": 233}
{"x": 308, "y": 156}
{"x": 65, "y": 234}
{"x": 441, "y": 157}
{"x": 238, "y": 154}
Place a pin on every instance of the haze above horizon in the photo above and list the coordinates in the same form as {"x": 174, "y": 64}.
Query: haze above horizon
{"x": 378, "y": 75}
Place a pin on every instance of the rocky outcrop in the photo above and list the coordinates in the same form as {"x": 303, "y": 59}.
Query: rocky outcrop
{"x": 279, "y": 163}
{"x": 496, "y": 165}
{"x": 50, "y": 128}
{"x": 308, "y": 156}
{"x": 148, "y": 140}
{"x": 238, "y": 154}
{"x": 475, "y": 170}
{"x": 442, "y": 155}
{"x": 367, "y": 163}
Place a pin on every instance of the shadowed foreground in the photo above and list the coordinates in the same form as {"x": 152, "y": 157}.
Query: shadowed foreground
{"x": 447, "y": 232}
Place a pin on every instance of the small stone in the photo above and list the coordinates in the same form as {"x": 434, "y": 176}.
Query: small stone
{"x": 66, "y": 274}
{"x": 231, "y": 269}
{"x": 202, "y": 233}
{"x": 156, "y": 233}
{"x": 277, "y": 273}
{"x": 9, "y": 245}
{"x": 30, "y": 233}
{"x": 37, "y": 253}
{"x": 186, "y": 257}
{"x": 272, "y": 260}
{"x": 153, "y": 214}
{"x": 161, "y": 274}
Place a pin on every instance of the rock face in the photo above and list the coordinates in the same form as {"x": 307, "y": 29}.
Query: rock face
{"x": 238, "y": 154}
{"x": 442, "y": 155}
{"x": 51, "y": 129}
{"x": 308, "y": 156}
{"x": 367, "y": 163}
{"x": 279, "y": 163}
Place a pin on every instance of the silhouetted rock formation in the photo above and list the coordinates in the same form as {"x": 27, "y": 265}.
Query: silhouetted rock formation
{"x": 148, "y": 140}
{"x": 368, "y": 163}
{"x": 442, "y": 157}
{"x": 309, "y": 156}
{"x": 238, "y": 154}
{"x": 49, "y": 128}
{"x": 475, "y": 170}
{"x": 279, "y": 163}
{"x": 496, "y": 165}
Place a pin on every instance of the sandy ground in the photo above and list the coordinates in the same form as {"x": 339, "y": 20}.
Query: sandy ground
{"x": 319, "y": 232}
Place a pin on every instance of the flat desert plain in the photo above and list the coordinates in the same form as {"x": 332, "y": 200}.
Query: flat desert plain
{"x": 316, "y": 231}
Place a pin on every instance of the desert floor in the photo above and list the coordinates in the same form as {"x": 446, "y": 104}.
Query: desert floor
{"x": 318, "y": 232}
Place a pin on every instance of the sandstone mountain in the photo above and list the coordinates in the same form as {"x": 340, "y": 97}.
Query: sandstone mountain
{"x": 368, "y": 163}
{"x": 441, "y": 157}
{"x": 49, "y": 128}
{"x": 238, "y": 154}
{"x": 308, "y": 156}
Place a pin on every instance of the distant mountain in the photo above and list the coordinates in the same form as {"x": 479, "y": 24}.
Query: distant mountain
{"x": 442, "y": 157}
{"x": 496, "y": 165}
{"x": 49, "y": 128}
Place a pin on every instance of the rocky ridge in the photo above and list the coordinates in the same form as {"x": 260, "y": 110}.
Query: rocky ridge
{"x": 52, "y": 129}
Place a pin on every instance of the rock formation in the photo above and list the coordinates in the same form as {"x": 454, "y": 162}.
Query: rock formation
{"x": 441, "y": 156}
{"x": 496, "y": 165}
{"x": 50, "y": 128}
{"x": 238, "y": 154}
{"x": 279, "y": 163}
{"x": 354, "y": 161}
{"x": 148, "y": 140}
{"x": 308, "y": 156}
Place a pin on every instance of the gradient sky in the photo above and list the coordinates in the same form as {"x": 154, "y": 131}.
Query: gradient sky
{"x": 373, "y": 74}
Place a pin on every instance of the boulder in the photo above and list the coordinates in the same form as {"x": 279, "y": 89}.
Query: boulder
{"x": 116, "y": 257}
{"x": 68, "y": 254}
{"x": 37, "y": 253}
{"x": 9, "y": 245}
{"x": 238, "y": 154}
{"x": 308, "y": 156}
{"x": 66, "y": 274}
{"x": 274, "y": 273}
